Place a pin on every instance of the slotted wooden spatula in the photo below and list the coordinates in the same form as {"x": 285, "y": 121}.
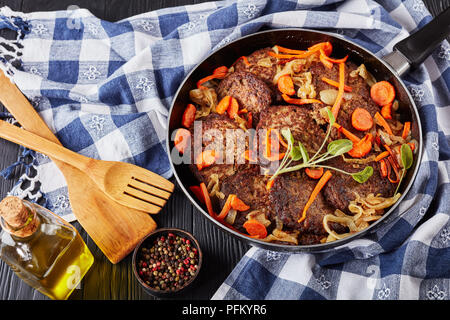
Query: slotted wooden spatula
{"x": 114, "y": 228}
{"x": 128, "y": 184}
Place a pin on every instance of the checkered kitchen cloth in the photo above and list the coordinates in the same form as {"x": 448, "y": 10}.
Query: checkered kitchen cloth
{"x": 105, "y": 89}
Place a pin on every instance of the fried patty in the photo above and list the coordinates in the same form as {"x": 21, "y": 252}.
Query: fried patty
{"x": 251, "y": 92}
{"x": 360, "y": 95}
{"x": 287, "y": 198}
{"x": 260, "y": 64}
{"x": 298, "y": 119}
{"x": 216, "y": 129}
{"x": 339, "y": 190}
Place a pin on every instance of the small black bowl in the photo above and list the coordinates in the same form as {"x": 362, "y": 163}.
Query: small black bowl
{"x": 149, "y": 240}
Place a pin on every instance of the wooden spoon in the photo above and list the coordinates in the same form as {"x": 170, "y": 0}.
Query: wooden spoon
{"x": 114, "y": 228}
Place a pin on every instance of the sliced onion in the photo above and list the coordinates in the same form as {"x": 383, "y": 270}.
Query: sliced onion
{"x": 328, "y": 96}
{"x": 231, "y": 216}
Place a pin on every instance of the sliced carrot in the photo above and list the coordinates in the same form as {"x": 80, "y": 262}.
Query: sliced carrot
{"x": 218, "y": 73}
{"x": 249, "y": 156}
{"x": 233, "y": 108}
{"x": 242, "y": 111}
{"x": 205, "y": 159}
{"x": 362, "y": 148}
{"x": 325, "y": 62}
{"x": 334, "y": 60}
{"x": 382, "y": 155}
{"x": 288, "y": 56}
{"x": 268, "y": 143}
{"x": 382, "y": 93}
{"x": 299, "y": 101}
{"x": 223, "y": 104}
{"x": 314, "y": 173}
{"x": 249, "y": 120}
{"x": 325, "y": 46}
{"x": 286, "y": 85}
{"x": 188, "y": 115}
{"x": 361, "y": 119}
{"x": 346, "y": 133}
{"x": 269, "y": 184}
{"x": 182, "y": 139}
{"x": 207, "y": 200}
{"x": 287, "y": 50}
{"x": 243, "y": 58}
{"x": 395, "y": 169}
{"x": 280, "y": 139}
{"x": 382, "y": 122}
{"x": 337, "y": 103}
{"x": 255, "y": 228}
{"x": 412, "y": 145}
{"x": 383, "y": 168}
{"x": 336, "y": 84}
{"x": 276, "y": 156}
{"x": 320, "y": 184}
{"x": 197, "y": 191}
{"x": 238, "y": 204}
{"x": 226, "y": 207}
{"x": 406, "y": 129}
{"x": 386, "y": 111}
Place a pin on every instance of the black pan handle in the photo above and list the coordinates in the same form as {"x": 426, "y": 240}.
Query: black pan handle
{"x": 418, "y": 46}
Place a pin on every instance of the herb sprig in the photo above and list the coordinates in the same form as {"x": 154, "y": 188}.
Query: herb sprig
{"x": 297, "y": 152}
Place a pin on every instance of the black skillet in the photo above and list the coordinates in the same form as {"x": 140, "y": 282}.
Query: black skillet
{"x": 408, "y": 53}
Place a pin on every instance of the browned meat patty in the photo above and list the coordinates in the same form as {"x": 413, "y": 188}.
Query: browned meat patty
{"x": 251, "y": 92}
{"x": 249, "y": 185}
{"x": 287, "y": 198}
{"x": 339, "y": 190}
{"x": 298, "y": 119}
{"x": 260, "y": 64}
{"x": 360, "y": 93}
{"x": 215, "y": 130}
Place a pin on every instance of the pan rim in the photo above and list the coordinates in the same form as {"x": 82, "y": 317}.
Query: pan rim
{"x": 314, "y": 247}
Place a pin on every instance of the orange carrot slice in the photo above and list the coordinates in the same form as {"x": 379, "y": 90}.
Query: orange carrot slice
{"x": 207, "y": 200}
{"x": 255, "y": 228}
{"x": 383, "y": 168}
{"x": 287, "y": 50}
{"x": 188, "y": 115}
{"x": 336, "y": 84}
{"x": 347, "y": 133}
{"x": 314, "y": 173}
{"x": 337, "y": 103}
{"x": 286, "y": 85}
{"x": 299, "y": 101}
{"x": 362, "y": 148}
{"x": 238, "y": 204}
{"x": 223, "y": 104}
{"x": 182, "y": 139}
{"x": 406, "y": 129}
{"x": 382, "y": 122}
{"x": 386, "y": 111}
{"x": 226, "y": 207}
{"x": 361, "y": 119}
{"x": 382, "y": 93}
{"x": 320, "y": 184}
{"x": 382, "y": 155}
{"x": 233, "y": 108}
{"x": 205, "y": 159}
{"x": 197, "y": 191}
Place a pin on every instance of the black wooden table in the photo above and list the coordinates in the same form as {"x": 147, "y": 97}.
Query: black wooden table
{"x": 104, "y": 280}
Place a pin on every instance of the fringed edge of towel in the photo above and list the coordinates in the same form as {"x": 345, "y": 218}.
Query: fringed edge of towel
{"x": 28, "y": 185}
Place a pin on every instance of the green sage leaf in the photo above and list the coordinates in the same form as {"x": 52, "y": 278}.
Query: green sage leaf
{"x": 331, "y": 117}
{"x": 288, "y": 136}
{"x": 304, "y": 152}
{"x": 406, "y": 156}
{"x": 339, "y": 147}
{"x": 296, "y": 154}
{"x": 363, "y": 175}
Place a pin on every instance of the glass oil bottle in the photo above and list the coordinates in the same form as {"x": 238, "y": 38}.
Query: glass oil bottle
{"x": 41, "y": 248}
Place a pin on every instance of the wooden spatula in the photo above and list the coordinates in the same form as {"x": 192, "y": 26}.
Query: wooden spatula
{"x": 130, "y": 185}
{"x": 114, "y": 228}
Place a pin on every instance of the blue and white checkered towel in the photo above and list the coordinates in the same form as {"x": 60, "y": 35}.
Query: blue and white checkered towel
{"x": 105, "y": 88}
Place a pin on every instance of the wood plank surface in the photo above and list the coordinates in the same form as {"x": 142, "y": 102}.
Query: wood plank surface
{"x": 106, "y": 281}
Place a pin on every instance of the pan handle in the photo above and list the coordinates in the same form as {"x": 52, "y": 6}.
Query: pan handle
{"x": 413, "y": 50}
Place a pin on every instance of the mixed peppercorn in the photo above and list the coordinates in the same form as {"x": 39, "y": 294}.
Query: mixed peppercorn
{"x": 168, "y": 263}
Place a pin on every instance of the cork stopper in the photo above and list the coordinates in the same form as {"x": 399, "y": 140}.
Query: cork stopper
{"x": 18, "y": 218}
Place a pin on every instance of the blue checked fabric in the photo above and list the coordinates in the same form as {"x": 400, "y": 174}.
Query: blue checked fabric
{"x": 105, "y": 89}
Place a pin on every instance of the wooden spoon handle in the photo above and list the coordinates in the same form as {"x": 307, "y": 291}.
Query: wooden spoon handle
{"x": 37, "y": 143}
{"x": 22, "y": 110}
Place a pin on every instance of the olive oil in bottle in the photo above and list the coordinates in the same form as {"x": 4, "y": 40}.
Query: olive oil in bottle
{"x": 42, "y": 249}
